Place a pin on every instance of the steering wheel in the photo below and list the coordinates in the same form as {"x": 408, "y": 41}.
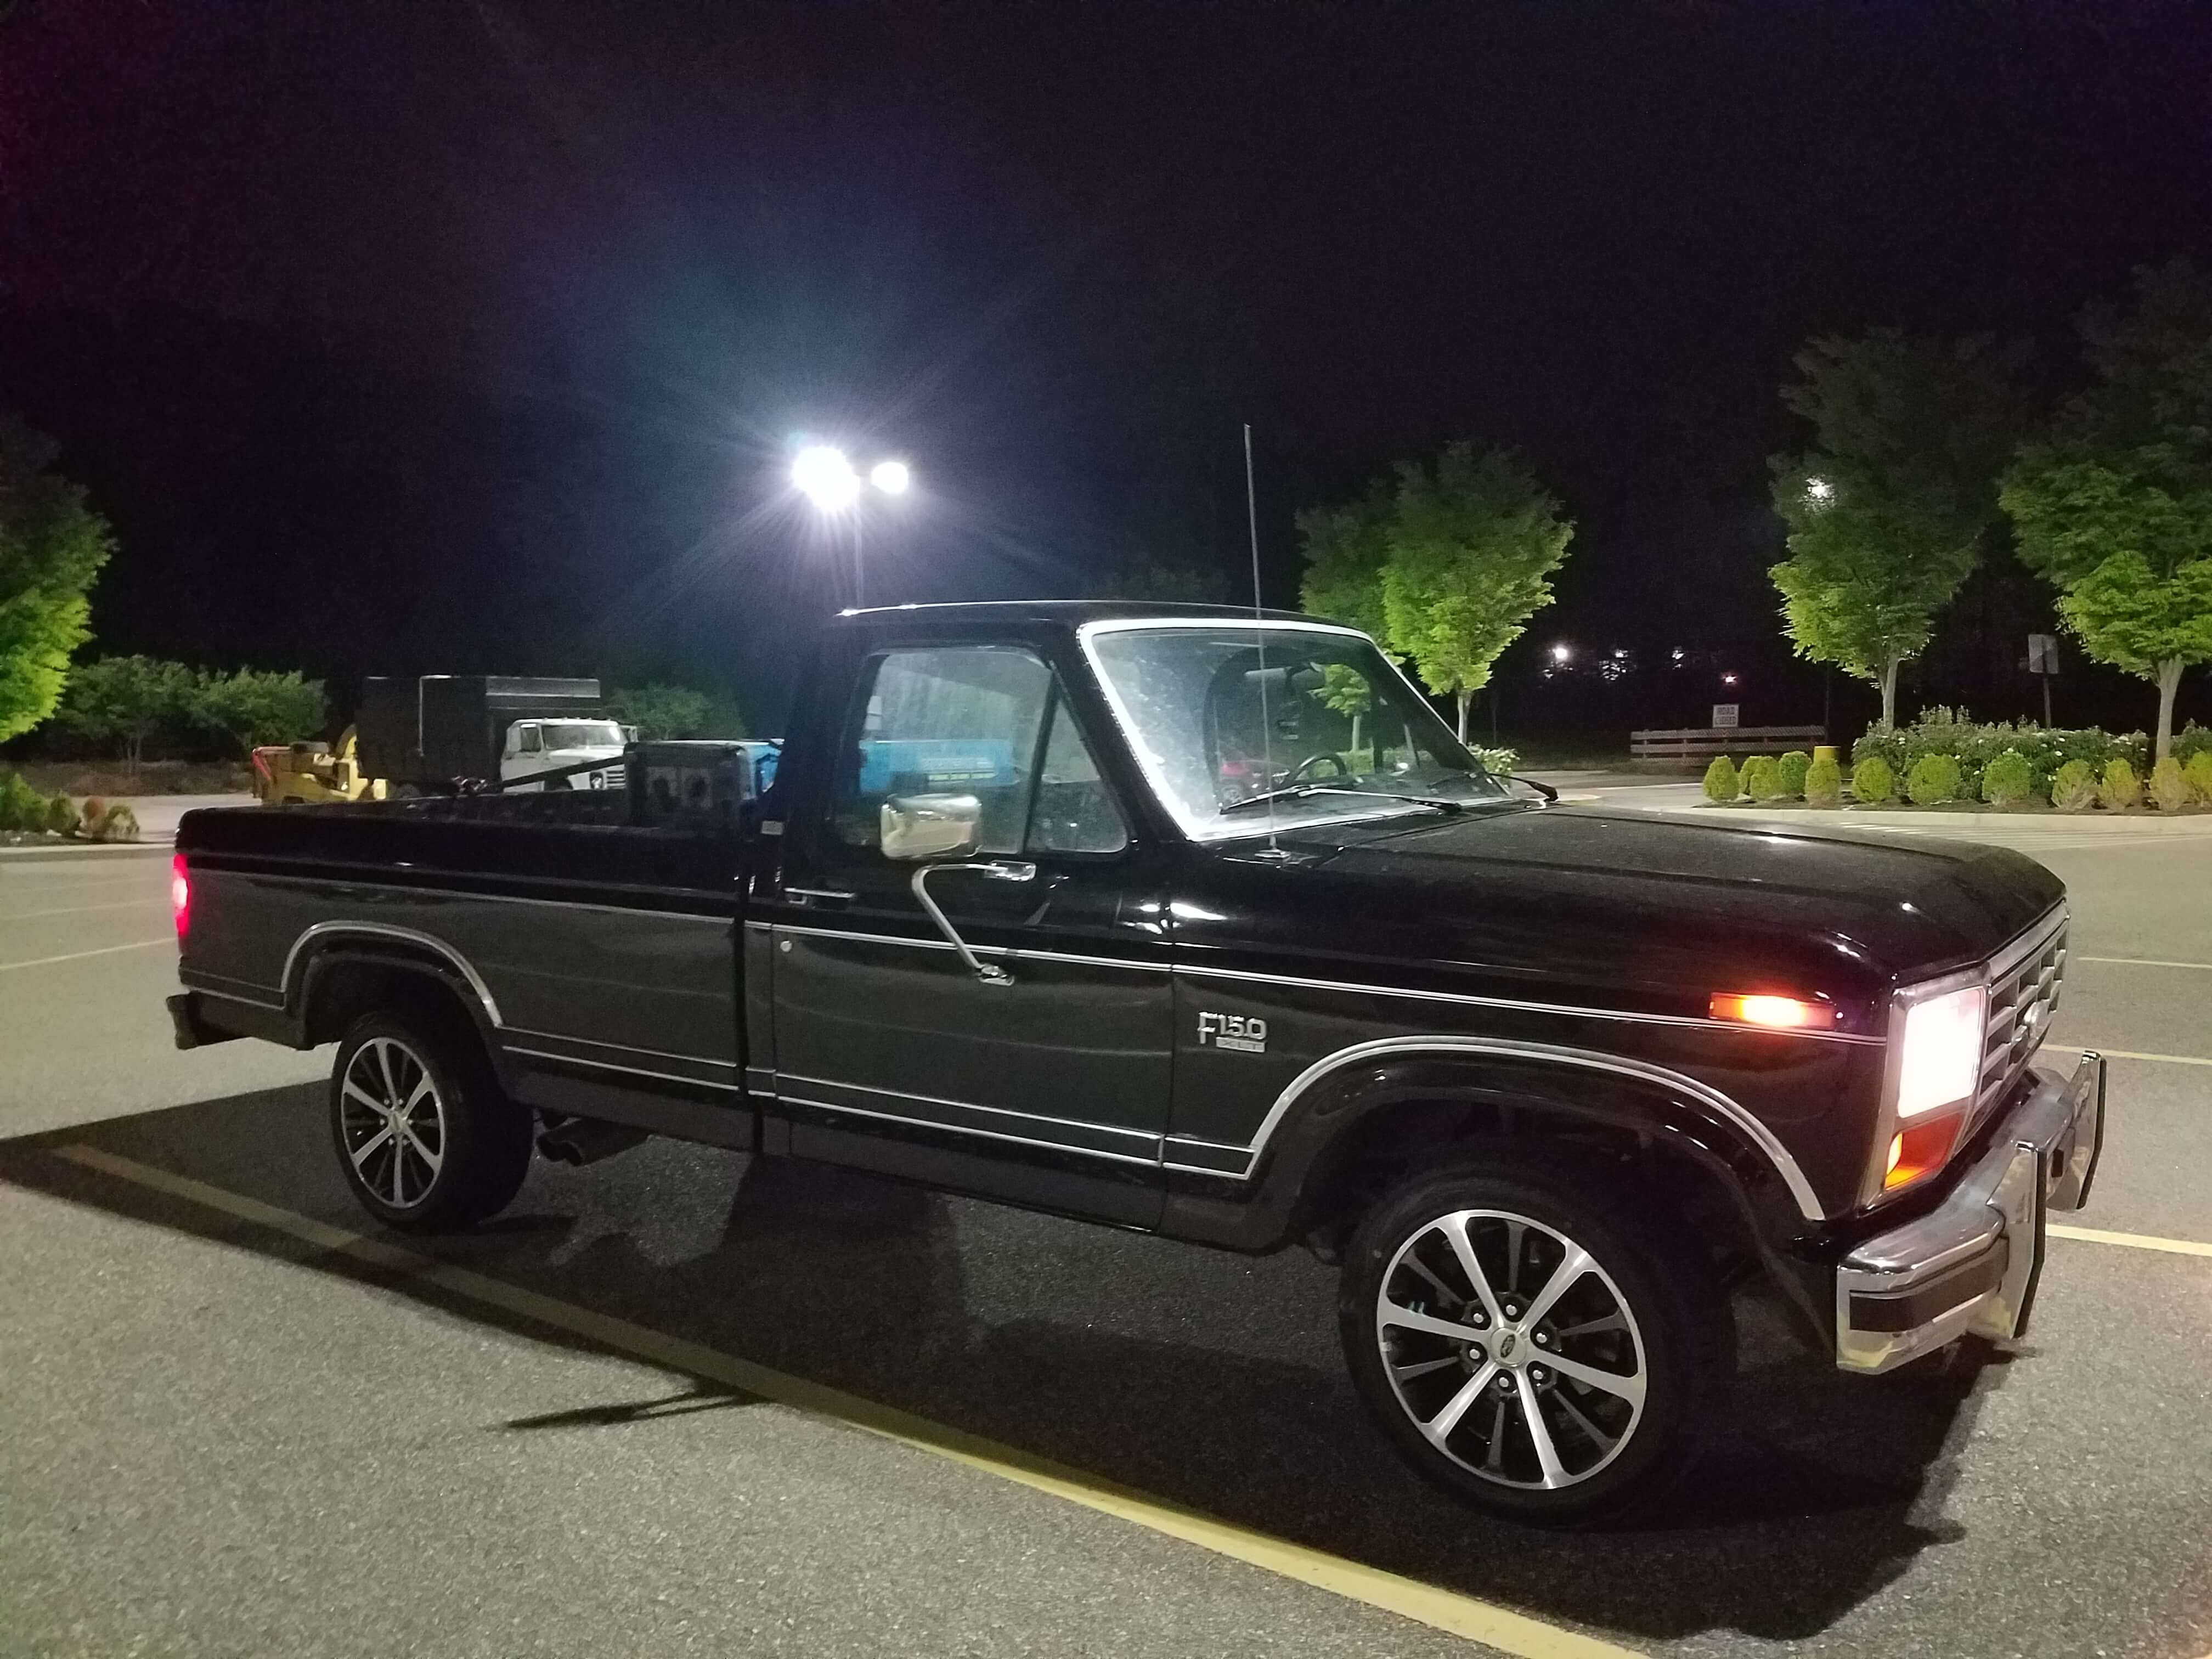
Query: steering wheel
{"x": 1300, "y": 773}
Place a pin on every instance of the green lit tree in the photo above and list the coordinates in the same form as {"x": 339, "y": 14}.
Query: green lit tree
{"x": 661, "y": 712}
{"x": 254, "y": 708}
{"x": 1472, "y": 539}
{"x": 2113, "y": 502}
{"x": 52, "y": 546}
{"x": 118, "y": 702}
{"x": 1887, "y": 511}
{"x": 1345, "y": 549}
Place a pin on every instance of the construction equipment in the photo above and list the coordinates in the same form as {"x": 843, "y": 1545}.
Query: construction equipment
{"x": 287, "y": 774}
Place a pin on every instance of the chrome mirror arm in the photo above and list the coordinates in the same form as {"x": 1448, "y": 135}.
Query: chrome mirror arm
{"x": 1001, "y": 870}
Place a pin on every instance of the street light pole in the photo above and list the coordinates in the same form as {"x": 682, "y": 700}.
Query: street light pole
{"x": 828, "y": 479}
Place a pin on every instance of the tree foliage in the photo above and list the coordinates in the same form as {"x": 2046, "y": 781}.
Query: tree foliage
{"x": 118, "y": 702}
{"x": 662, "y": 712}
{"x": 1443, "y": 562}
{"x": 2113, "y": 502}
{"x": 52, "y": 546}
{"x": 1886, "y": 512}
{"x": 254, "y": 708}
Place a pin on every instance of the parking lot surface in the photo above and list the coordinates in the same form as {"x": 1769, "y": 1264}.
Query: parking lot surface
{"x": 683, "y": 1402}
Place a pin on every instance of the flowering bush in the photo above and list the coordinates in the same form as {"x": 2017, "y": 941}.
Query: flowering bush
{"x": 1941, "y": 731}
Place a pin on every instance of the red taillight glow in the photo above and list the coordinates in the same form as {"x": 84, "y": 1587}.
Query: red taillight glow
{"x": 180, "y": 896}
{"x": 1783, "y": 1013}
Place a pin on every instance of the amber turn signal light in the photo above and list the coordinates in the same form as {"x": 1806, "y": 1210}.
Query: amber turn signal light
{"x": 1783, "y": 1014}
{"x": 1919, "y": 1149}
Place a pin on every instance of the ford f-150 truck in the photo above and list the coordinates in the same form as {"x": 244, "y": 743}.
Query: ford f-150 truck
{"x": 1114, "y": 911}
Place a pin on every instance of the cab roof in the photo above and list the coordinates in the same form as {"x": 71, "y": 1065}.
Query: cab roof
{"x": 1063, "y": 613}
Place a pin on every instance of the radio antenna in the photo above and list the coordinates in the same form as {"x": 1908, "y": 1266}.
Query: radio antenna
{"x": 1260, "y": 638}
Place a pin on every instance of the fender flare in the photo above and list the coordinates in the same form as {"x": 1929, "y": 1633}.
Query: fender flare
{"x": 329, "y": 943}
{"x": 1340, "y": 1088}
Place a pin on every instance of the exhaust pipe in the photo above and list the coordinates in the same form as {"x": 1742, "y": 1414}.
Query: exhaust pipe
{"x": 584, "y": 1140}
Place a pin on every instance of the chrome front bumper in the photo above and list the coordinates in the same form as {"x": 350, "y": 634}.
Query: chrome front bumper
{"x": 1970, "y": 1264}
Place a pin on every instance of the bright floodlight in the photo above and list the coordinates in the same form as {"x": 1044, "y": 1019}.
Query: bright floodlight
{"x": 890, "y": 477}
{"x": 1560, "y": 654}
{"x": 824, "y": 477}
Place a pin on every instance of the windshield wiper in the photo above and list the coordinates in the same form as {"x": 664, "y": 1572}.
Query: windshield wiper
{"x": 1300, "y": 792}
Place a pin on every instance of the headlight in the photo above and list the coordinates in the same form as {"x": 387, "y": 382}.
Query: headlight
{"x": 1941, "y": 1060}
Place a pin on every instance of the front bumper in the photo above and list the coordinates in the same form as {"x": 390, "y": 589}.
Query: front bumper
{"x": 1971, "y": 1263}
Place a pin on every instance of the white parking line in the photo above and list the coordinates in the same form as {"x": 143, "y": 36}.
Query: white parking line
{"x": 147, "y": 902}
{"x": 110, "y": 950}
{"x": 2143, "y": 962}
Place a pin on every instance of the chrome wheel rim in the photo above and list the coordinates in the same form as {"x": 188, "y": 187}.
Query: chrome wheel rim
{"x": 392, "y": 1121}
{"x": 1510, "y": 1349}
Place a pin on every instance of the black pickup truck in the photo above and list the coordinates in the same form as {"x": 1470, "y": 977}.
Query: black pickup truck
{"x": 1202, "y": 922}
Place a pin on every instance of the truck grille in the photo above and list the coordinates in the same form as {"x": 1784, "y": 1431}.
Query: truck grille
{"x": 2023, "y": 996}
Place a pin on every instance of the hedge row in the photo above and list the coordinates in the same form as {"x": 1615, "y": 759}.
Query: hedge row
{"x": 2033, "y": 764}
{"x": 23, "y": 809}
{"x": 1935, "y": 779}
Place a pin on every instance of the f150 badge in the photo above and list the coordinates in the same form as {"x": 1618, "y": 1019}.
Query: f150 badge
{"x": 1246, "y": 1036}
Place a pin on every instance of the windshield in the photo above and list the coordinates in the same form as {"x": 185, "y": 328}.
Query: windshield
{"x": 1221, "y": 712}
{"x": 582, "y": 734}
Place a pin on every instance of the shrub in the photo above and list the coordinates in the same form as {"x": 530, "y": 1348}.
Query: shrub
{"x": 2007, "y": 780}
{"x": 94, "y": 809}
{"x": 1500, "y": 761}
{"x": 1873, "y": 780}
{"x": 1721, "y": 785}
{"x": 2169, "y": 788}
{"x": 1941, "y": 731}
{"x": 2117, "y": 788}
{"x": 1934, "y": 779}
{"x": 60, "y": 817}
{"x": 1792, "y": 768}
{"x": 2198, "y": 770}
{"x": 2191, "y": 741}
{"x": 21, "y": 807}
{"x": 1762, "y": 779}
{"x": 2074, "y": 789}
{"x": 119, "y": 823}
{"x": 1824, "y": 784}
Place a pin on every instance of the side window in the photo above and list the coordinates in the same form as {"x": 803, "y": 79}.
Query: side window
{"x": 529, "y": 739}
{"x": 1074, "y": 810}
{"x": 962, "y": 720}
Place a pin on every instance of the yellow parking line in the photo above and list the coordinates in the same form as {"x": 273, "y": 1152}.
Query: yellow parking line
{"x": 2146, "y": 962}
{"x": 2134, "y": 1242}
{"x": 1427, "y": 1604}
{"x": 110, "y": 950}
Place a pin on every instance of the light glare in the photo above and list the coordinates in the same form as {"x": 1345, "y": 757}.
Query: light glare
{"x": 825, "y": 478}
{"x": 1783, "y": 1012}
{"x": 890, "y": 477}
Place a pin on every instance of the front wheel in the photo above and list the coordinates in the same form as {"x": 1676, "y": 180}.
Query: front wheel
{"x": 1534, "y": 1342}
{"x": 424, "y": 1135}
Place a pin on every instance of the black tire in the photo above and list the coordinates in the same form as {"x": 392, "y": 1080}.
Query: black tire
{"x": 1662, "y": 1370}
{"x": 468, "y": 1147}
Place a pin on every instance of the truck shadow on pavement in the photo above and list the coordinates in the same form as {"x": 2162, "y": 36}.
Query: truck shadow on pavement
{"x": 1209, "y": 1380}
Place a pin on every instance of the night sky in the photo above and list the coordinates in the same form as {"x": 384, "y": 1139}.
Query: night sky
{"x": 413, "y": 336}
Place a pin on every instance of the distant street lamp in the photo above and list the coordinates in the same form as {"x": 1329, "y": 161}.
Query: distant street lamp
{"x": 828, "y": 478}
{"x": 1561, "y": 653}
{"x": 1820, "y": 491}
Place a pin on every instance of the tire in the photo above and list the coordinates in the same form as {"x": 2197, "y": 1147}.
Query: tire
{"x": 1642, "y": 1308}
{"x": 466, "y": 1146}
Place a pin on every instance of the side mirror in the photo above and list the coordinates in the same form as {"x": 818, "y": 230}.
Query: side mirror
{"x": 919, "y": 827}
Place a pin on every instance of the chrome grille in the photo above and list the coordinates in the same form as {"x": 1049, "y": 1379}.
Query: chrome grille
{"x": 2023, "y": 995}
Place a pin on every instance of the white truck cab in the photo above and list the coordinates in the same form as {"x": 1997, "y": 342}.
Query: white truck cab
{"x": 535, "y": 747}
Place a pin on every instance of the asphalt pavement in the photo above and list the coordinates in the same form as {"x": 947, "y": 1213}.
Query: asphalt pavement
{"x": 680, "y": 1403}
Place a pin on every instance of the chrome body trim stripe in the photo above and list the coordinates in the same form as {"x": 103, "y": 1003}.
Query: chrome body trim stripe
{"x": 966, "y": 1129}
{"x": 628, "y": 1070}
{"x": 1569, "y": 1009}
{"x": 385, "y": 930}
{"x": 233, "y": 996}
{"x": 469, "y": 893}
{"x": 623, "y": 1048}
{"x": 972, "y": 1106}
{"x": 1010, "y": 951}
{"x": 1808, "y": 1203}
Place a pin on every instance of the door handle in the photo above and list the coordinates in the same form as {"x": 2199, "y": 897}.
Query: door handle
{"x": 995, "y": 870}
{"x": 819, "y": 895}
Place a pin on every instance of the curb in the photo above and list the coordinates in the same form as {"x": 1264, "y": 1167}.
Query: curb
{"x": 93, "y": 853}
{"x": 2197, "y": 824}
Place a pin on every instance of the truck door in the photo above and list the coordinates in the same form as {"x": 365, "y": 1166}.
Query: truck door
{"x": 1044, "y": 1080}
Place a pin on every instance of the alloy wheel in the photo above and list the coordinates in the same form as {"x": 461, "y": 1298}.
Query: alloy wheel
{"x": 393, "y": 1121}
{"x": 1510, "y": 1349}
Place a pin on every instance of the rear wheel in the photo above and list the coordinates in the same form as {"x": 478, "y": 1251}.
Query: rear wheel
{"x": 425, "y": 1137}
{"x": 1534, "y": 1341}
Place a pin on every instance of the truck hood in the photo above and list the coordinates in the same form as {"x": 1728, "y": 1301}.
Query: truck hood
{"x": 1658, "y": 906}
